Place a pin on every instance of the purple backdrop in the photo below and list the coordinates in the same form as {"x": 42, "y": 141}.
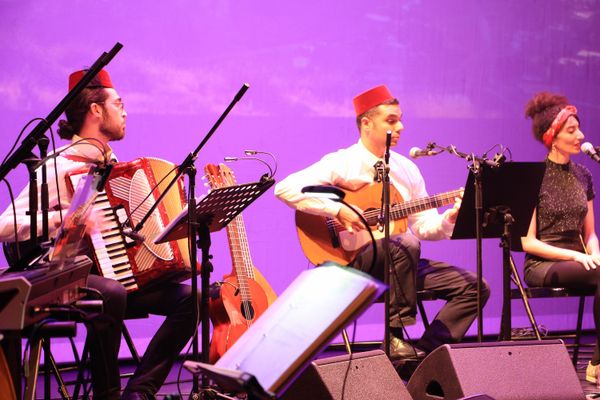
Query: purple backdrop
{"x": 463, "y": 71}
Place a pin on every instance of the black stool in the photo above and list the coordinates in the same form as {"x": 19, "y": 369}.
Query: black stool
{"x": 81, "y": 364}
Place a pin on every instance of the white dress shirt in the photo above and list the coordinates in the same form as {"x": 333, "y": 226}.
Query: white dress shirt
{"x": 352, "y": 168}
{"x": 75, "y": 156}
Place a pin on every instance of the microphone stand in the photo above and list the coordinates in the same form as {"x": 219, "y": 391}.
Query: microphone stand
{"x": 383, "y": 170}
{"x": 197, "y": 227}
{"x": 43, "y": 143}
{"x": 476, "y": 169}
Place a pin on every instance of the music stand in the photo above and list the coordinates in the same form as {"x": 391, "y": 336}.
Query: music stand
{"x": 212, "y": 214}
{"x": 510, "y": 192}
{"x": 218, "y": 208}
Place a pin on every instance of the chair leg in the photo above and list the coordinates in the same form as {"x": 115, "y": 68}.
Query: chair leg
{"x": 131, "y": 345}
{"x": 32, "y": 368}
{"x": 423, "y": 314}
{"x": 80, "y": 381}
{"x": 346, "y": 341}
{"x": 50, "y": 364}
{"x": 578, "y": 331}
{"x": 525, "y": 298}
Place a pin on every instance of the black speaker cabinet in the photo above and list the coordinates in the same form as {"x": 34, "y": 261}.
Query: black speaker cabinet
{"x": 370, "y": 376}
{"x": 529, "y": 370}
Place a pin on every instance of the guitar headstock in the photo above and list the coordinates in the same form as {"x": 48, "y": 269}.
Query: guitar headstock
{"x": 219, "y": 176}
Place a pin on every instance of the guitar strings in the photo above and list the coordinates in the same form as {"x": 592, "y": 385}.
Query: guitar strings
{"x": 235, "y": 233}
{"x": 406, "y": 208}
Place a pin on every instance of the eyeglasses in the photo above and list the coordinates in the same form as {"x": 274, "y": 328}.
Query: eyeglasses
{"x": 119, "y": 104}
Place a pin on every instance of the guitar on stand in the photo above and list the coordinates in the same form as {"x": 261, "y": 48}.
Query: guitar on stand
{"x": 325, "y": 239}
{"x": 244, "y": 294}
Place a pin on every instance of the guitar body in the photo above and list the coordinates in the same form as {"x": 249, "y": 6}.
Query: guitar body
{"x": 325, "y": 239}
{"x": 231, "y": 316}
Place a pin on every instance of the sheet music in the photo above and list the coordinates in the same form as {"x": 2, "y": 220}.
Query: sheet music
{"x": 301, "y": 322}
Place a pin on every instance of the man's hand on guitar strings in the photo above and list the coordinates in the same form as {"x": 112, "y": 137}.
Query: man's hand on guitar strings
{"x": 350, "y": 220}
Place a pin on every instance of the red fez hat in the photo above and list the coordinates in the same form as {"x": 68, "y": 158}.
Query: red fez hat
{"x": 102, "y": 79}
{"x": 371, "y": 98}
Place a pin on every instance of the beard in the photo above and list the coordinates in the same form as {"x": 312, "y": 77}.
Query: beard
{"x": 112, "y": 130}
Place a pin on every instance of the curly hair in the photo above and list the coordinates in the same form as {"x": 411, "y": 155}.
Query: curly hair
{"x": 78, "y": 109}
{"x": 542, "y": 109}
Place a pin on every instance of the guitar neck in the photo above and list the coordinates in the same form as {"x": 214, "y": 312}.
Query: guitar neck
{"x": 403, "y": 210}
{"x": 240, "y": 250}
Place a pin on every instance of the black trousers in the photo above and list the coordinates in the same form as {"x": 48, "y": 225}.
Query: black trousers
{"x": 172, "y": 300}
{"x": 410, "y": 273}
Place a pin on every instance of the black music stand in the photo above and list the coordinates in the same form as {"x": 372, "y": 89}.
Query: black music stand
{"x": 212, "y": 214}
{"x": 510, "y": 194}
{"x": 216, "y": 209}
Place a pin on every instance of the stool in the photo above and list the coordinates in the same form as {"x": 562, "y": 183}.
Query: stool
{"x": 422, "y": 295}
{"x": 82, "y": 363}
{"x": 553, "y": 292}
{"x": 40, "y": 339}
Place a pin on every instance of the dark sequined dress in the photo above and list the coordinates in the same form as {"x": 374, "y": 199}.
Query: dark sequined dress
{"x": 561, "y": 210}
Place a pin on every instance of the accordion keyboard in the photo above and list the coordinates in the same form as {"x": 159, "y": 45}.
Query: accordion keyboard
{"x": 110, "y": 245}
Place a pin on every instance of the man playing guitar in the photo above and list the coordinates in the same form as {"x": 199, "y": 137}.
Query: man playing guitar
{"x": 352, "y": 169}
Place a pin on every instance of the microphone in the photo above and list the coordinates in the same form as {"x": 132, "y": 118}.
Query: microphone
{"x": 388, "y": 144}
{"x": 417, "y": 152}
{"x": 325, "y": 191}
{"x": 133, "y": 235}
{"x": 589, "y": 149}
{"x": 250, "y": 153}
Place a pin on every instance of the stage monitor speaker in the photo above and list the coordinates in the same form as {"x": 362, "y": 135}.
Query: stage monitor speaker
{"x": 370, "y": 376}
{"x": 504, "y": 370}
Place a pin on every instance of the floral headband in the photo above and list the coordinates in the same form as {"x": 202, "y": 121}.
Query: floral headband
{"x": 558, "y": 122}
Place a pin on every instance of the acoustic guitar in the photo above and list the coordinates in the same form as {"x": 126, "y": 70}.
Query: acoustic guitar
{"x": 244, "y": 294}
{"x": 325, "y": 239}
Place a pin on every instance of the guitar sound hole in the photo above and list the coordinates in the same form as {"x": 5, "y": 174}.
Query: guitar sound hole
{"x": 247, "y": 310}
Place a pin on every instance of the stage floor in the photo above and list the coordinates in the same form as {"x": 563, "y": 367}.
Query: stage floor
{"x": 172, "y": 390}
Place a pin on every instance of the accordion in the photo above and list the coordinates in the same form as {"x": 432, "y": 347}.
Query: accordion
{"x": 129, "y": 192}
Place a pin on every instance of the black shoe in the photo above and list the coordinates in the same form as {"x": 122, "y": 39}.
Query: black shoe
{"x": 399, "y": 349}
